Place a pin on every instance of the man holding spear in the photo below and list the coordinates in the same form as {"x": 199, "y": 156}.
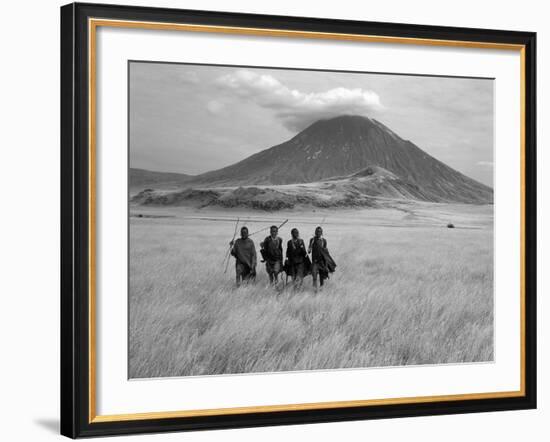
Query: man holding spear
{"x": 272, "y": 253}
{"x": 321, "y": 262}
{"x": 298, "y": 262}
{"x": 244, "y": 251}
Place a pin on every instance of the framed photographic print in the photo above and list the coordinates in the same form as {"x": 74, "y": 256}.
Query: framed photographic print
{"x": 275, "y": 220}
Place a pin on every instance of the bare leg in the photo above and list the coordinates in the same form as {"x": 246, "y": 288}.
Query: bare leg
{"x": 300, "y": 276}
{"x": 238, "y": 274}
{"x": 298, "y": 282}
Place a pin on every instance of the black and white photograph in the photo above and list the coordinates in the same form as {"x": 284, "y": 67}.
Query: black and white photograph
{"x": 275, "y": 221}
{"x": 289, "y": 220}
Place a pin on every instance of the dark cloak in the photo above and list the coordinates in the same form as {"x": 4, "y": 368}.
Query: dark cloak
{"x": 245, "y": 252}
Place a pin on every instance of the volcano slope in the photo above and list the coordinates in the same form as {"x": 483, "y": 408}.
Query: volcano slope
{"x": 342, "y": 162}
{"x": 343, "y": 146}
{"x": 372, "y": 187}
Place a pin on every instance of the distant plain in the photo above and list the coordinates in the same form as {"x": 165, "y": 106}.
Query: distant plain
{"x": 407, "y": 290}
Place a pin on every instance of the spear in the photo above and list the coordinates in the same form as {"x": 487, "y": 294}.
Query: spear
{"x": 226, "y": 257}
{"x": 284, "y": 222}
{"x": 266, "y": 228}
{"x": 258, "y": 231}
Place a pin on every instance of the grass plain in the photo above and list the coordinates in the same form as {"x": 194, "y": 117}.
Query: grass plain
{"x": 407, "y": 290}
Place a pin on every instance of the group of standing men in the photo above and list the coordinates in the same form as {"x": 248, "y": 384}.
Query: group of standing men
{"x": 297, "y": 264}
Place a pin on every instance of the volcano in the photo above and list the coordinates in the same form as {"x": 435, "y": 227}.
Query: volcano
{"x": 344, "y": 146}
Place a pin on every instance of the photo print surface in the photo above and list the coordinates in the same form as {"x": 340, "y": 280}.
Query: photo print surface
{"x": 289, "y": 220}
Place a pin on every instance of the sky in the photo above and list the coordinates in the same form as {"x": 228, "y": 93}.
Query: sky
{"x": 192, "y": 119}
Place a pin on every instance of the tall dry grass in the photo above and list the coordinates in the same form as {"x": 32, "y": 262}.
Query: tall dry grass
{"x": 401, "y": 296}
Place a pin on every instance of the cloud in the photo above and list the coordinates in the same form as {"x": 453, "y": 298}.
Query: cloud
{"x": 296, "y": 109}
{"x": 189, "y": 77}
{"x": 485, "y": 163}
{"x": 215, "y": 106}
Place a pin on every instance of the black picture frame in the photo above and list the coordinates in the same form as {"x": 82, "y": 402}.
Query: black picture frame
{"x": 75, "y": 219}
